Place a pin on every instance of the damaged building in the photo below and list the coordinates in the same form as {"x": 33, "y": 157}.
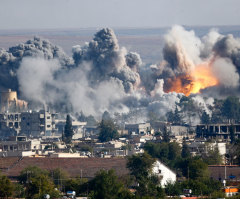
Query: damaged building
{"x": 9, "y": 102}
{"x": 31, "y": 124}
{"x": 35, "y": 124}
{"x": 220, "y": 131}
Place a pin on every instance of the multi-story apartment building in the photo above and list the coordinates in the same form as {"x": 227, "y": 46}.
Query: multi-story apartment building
{"x": 37, "y": 124}
{"x": 221, "y": 131}
{"x": 32, "y": 124}
{"x": 10, "y": 120}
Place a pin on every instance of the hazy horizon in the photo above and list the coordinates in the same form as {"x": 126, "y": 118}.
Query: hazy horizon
{"x": 45, "y": 14}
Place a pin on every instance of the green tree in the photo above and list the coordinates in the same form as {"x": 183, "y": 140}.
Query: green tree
{"x": 173, "y": 189}
{"x": 29, "y": 172}
{"x": 77, "y": 184}
{"x": 37, "y": 183}
{"x": 91, "y": 121}
{"x": 194, "y": 168}
{"x": 39, "y": 186}
{"x": 205, "y": 119}
{"x": 140, "y": 167}
{"x": 189, "y": 108}
{"x": 6, "y": 187}
{"x": 231, "y": 108}
{"x": 174, "y": 117}
{"x": 174, "y": 151}
{"x": 106, "y": 116}
{"x": 108, "y": 131}
{"x": 166, "y": 135}
{"x": 152, "y": 116}
{"x": 216, "y": 111}
{"x": 212, "y": 157}
{"x": 68, "y": 130}
{"x": 204, "y": 186}
{"x": 59, "y": 177}
{"x": 81, "y": 117}
{"x": 106, "y": 185}
{"x": 168, "y": 153}
{"x": 185, "y": 150}
{"x": 232, "y": 134}
{"x": 19, "y": 190}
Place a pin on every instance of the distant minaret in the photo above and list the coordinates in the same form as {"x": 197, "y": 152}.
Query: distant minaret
{"x": 8, "y": 98}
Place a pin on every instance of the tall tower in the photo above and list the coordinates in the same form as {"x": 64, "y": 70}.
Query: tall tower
{"x": 7, "y": 99}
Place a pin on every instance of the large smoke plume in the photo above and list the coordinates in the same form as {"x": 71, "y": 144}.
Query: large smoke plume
{"x": 102, "y": 76}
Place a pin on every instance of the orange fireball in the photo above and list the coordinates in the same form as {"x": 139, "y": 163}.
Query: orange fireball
{"x": 199, "y": 78}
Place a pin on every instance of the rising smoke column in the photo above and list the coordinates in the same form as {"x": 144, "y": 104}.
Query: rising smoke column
{"x": 11, "y": 59}
{"x": 102, "y": 76}
{"x": 109, "y": 60}
{"x": 193, "y": 65}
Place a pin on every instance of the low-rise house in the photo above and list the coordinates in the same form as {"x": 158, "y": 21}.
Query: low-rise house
{"x": 114, "y": 144}
{"x": 230, "y": 191}
{"x": 165, "y": 174}
{"x": 78, "y": 128}
{"x": 19, "y": 146}
{"x": 37, "y": 124}
{"x": 140, "y": 129}
{"x": 143, "y": 139}
{"x": 65, "y": 155}
{"x": 224, "y": 172}
{"x": 91, "y": 131}
{"x": 198, "y": 147}
{"x": 160, "y": 126}
{"x": 179, "y": 130}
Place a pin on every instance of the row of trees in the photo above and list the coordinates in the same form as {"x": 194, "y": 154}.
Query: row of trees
{"x": 35, "y": 182}
{"x": 227, "y": 110}
{"x": 195, "y": 170}
{"x": 107, "y": 129}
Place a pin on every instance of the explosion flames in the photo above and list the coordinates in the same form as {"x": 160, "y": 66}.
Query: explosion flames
{"x": 102, "y": 76}
{"x": 200, "y": 78}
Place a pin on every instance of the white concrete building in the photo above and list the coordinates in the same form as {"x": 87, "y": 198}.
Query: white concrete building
{"x": 141, "y": 128}
{"x": 65, "y": 155}
{"x": 78, "y": 128}
{"x": 178, "y": 130}
{"x": 165, "y": 174}
{"x": 198, "y": 147}
{"x": 20, "y": 146}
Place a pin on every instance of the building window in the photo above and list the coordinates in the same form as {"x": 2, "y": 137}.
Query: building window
{"x": 159, "y": 171}
{"x": 48, "y": 126}
{"x": 10, "y": 124}
{"x": 16, "y": 125}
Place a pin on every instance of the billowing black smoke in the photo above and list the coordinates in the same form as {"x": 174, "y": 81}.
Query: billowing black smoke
{"x": 102, "y": 76}
{"x": 108, "y": 60}
{"x": 10, "y": 60}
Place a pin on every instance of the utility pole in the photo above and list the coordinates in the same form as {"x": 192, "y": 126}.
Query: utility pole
{"x": 39, "y": 189}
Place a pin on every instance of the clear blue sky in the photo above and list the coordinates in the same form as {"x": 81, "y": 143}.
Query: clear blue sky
{"x": 31, "y": 14}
